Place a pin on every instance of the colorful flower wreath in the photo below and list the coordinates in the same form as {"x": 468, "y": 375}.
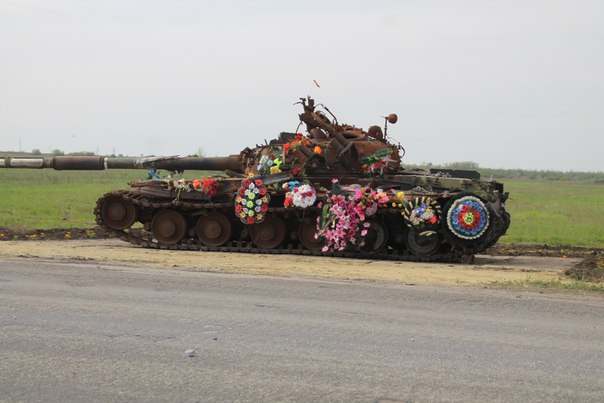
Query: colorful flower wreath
{"x": 251, "y": 202}
{"x": 468, "y": 217}
{"x": 297, "y": 195}
{"x": 422, "y": 213}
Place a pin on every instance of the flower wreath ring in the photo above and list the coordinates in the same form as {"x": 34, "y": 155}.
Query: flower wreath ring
{"x": 251, "y": 202}
{"x": 468, "y": 218}
{"x": 422, "y": 213}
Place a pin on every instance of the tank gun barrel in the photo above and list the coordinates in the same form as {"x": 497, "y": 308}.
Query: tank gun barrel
{"x": 99, "y": 163}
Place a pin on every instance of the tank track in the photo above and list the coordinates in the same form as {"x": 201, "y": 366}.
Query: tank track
{"x": 143, "y": 238}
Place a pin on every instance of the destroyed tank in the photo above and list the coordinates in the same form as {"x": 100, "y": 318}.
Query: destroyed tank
{"x": 334, "y": 190}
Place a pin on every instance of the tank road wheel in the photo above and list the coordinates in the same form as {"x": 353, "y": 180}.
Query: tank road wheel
{"x": 422, "y": 245}
{"x": 169, "y": 227}
{"x": 118, "y": 213}
{"x": 306, "y": 235}
{"x": 376, "y": 238}
{"x": 270, "y": 233}
{"x": 214, "y": 229}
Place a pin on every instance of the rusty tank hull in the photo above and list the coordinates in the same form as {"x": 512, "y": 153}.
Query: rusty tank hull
{"x": 335, "y": 190}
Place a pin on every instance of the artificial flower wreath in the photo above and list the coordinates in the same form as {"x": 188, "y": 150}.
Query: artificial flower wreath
{"x": 251, "y": 202}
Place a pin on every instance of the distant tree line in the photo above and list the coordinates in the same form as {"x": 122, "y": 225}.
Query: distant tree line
{"x": 519, "y": 174}
{"x": 56, "y": 152}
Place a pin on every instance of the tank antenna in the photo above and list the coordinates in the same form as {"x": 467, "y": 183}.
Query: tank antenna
{"x": 392, "y": 118}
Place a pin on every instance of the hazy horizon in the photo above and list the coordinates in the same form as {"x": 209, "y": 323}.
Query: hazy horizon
{"x": 506, "y": 84}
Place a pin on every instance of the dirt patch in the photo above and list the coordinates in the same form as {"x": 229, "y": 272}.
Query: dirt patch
{"x": 54, "y": 234}
{"x": 503, "y": 249}
{"x": 591, "y": 268}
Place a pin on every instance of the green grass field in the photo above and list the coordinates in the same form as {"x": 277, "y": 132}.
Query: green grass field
{"x": 556, "y": 213}
{"x": 553, "y": 213}
{"x": 44, "y": 199}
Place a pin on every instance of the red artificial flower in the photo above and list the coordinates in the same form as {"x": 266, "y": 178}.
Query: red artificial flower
{"x": 210, "y": 187}
{"x": 262, "y": 191}
{"x": 238, "y": 208}
{"x": 246, "y": 183}
{"x": 296, "y": 171}
{"x": 258, "y": 182}
{"x": 242, "y": 191}
{"x": 264, "y": 208}
{"x": 250, "y": 220}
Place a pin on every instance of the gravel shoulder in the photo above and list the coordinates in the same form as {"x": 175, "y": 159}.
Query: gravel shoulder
{"x": 486, "y": 269}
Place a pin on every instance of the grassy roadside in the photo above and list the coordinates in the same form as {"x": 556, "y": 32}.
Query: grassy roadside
{"x": 559, "y": 284}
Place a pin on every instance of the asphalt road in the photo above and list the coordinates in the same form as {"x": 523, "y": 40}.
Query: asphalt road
{"x": 90, "y": 332}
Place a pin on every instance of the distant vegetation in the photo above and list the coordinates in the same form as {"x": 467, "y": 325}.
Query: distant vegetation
{"x": 56, "y": 152}
{"x": 519, "y": 174}
{"x": 486, "y": 173}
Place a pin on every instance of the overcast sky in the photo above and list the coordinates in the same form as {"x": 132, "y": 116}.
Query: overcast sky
{"x": 507, "y": 84}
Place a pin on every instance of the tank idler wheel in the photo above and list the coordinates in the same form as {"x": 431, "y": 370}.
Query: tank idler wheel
{"x": 214, "y": 229}
{"x": 270, "y": 233}
{"x": 376, "y": 238}
{"x": 169, "y": 227}
{"x": 422, "y": 244}
{"x": 306, "y": 235}
{"x": 118, "y": 213}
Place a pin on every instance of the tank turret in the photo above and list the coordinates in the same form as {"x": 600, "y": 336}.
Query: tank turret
{"x": 335, "y": 189}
